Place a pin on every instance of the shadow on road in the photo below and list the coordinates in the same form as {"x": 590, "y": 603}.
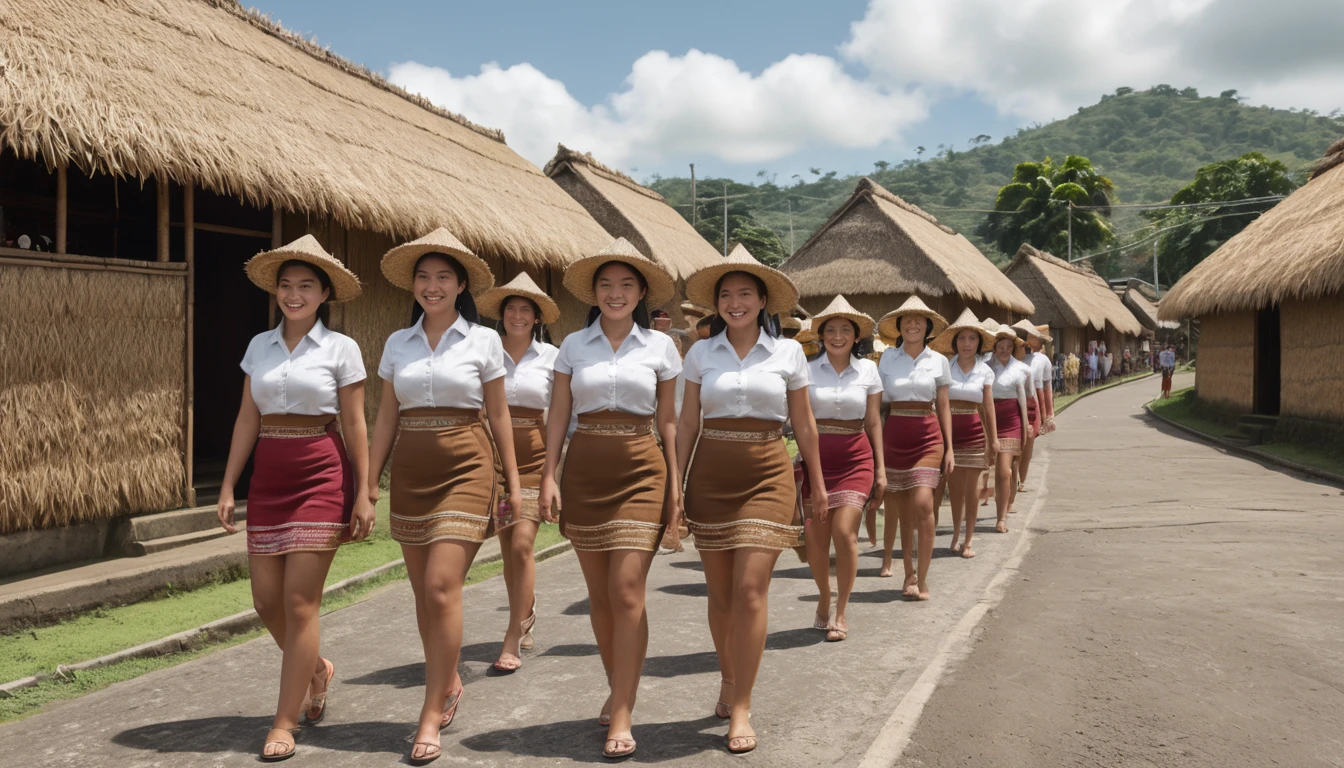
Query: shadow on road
{"x": 212, "y": 735}
{"x": 582, "y": 740}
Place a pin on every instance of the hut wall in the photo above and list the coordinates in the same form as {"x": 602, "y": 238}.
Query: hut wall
{"x": 1313, "y": 346}
{"x": 91, "y": 387}
{"x": 572, "y": 311}
{"x": 1225, "y": 369}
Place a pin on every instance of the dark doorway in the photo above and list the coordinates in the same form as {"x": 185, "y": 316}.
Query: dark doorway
{"x": 1268, "y": 358}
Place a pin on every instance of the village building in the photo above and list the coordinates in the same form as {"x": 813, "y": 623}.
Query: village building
{"x": 1077, "y": 304}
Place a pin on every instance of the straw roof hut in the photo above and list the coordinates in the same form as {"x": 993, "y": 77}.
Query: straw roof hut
{"x": 149, "y": 178}
{"x": 1270, "y": 304}
{"x": 1137, "y": 299}
{"x": 1074, "y": 301}
{"x": 878, "y": 250}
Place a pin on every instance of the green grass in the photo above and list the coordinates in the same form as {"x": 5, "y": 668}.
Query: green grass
{"x": 1328, "y": 460}
{"x": 1182, "y": 408}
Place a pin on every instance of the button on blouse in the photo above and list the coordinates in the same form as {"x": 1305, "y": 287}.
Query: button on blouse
{"x": 754, "y": 387}
{"x": 1011, "y": 380}
{"x": 303, "y": 382}
{"x": 969, "y": 386}
{"x": 842, "y": 396}
{"x": 527, "y": 383}
{"x": 624, "y": 380}
{"x": 912, "y": 380}
{"x": 452, "y": 375}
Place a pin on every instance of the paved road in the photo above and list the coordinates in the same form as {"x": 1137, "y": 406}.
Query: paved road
{"x": 1179, "y": 606}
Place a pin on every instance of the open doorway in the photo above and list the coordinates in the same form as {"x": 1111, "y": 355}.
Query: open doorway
{"x": 1268, "y": 359}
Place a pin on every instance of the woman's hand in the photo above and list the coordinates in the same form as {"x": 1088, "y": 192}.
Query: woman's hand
{"x": 373, "y": 494}
{"x": 671, "y": 519}
{"x": 949, "y": 463}
{"x": 820, "y": 503}
{"x": 224, "y": 510}
{"x": 515, "y": 502}
{"x": 362, "y": 520}
{"x": 879, "y": 490}
{"x": 548, "y": 503}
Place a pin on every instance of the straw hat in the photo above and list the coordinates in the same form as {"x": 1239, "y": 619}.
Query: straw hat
{"x": 693, "y": 310}
{"x": 806, "y": 334}
{"x": 264, "y": 268}
{"x": 1045, "y": 332}
{"x": 1024, "y": 326}
{"x": 839, "y": 307}
{"x": 890, "y": 324}
{"x": 792, "y": 323}
{"x": 579, "y": 275}
{"x": 783, "y": 294}
{"x": 1005, "y": 331}
{"x": 491, "y": 303}
{"x": 946, "y": 341}
{"x": 399, "y": 263}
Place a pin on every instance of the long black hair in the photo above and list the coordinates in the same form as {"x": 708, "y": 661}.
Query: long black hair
{"x": 323, "y": 309}
{"x": 538, "y": 329}
{"x": 764, "y": 320}
{"x": 860, "y": 348}
{"x": 641, "y": 313}
{"x": 465, "y": 303}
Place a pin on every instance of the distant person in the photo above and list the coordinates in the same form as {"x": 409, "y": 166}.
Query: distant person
{"x": 662, "y": 321}
{"x": 1092, "y": 367}
{"x": 1167, "y": 359}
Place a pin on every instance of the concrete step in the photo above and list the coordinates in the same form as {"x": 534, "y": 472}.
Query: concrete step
{"x": 1258, "y": 420}
{"x": 1256, "y": 433}
{"x": 1238, "y": 439}
{"x": 177, "y": 522}
{"x": 141, "y": 548}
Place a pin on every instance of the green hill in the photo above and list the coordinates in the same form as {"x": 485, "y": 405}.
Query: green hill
{"x": 1148, "y": 142}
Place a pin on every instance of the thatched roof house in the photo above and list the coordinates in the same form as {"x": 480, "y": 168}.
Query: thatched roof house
{"x": 1138, "y": 299}
{"x": 149, "y": 147}
{"x": 1270, "y": 303}
{"x": 1074, "y": 301}
{"x": 877, "y": 250}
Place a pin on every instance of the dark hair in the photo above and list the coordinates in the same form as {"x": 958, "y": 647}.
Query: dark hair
{"x": 538, "y": 330}
{"x": 660, "y": 313}
{"x": 860, "y": 348}
{"x": 928, "y": 328}
{"x": 323, "y": 309}
{"x": 641, "y": 313}
{"x": 979, "y": 342}
{"x": 764, "y": 320}
{"x": 465, "y": 304}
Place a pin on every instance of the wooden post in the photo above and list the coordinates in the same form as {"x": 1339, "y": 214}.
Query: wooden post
{"x": 277, "y": 236}
{"x": 189, "y": 347}
{"x": 62, "y": 208}
{"x": 162, "y": 199}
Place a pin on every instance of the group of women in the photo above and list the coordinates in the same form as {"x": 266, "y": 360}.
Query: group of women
{"x": 475, "y": 419}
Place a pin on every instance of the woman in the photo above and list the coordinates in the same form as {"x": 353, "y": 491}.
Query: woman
{"x": 620, "y": 491}
{"x": 917, "y": 436}
{"x": 846, "y": 398}
{"x": 307, "y": 495}
{"x": 521, "y": 309}
{"x": 1033, "y": 359}
{"x": 740, "y": 497}
{"x": 1011, "y": 379}
{"x": 437, "y": 376}
{"x": 974, "y": 437}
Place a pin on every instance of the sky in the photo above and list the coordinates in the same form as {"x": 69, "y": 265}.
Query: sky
{"x": 785, "y": 86}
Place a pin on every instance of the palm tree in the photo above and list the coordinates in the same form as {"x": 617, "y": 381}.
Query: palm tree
{"x": 1034, "y": 207}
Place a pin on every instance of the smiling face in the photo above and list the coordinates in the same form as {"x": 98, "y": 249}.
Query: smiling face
{"x": 914, "y": 329}
{"x": 838, "y": 335}
{"x": 1004, "y": 348}
{"x": 299, "y": 292}
{"x": 618, "y": 290}
{"x": 520, "y": 316}
{"x": 740, "y": 300}
{"x": 967, "y": 343}
{"x": 436, "y": 284}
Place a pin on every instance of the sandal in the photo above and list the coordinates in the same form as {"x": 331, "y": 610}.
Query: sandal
{"x": 723, "y": 710}
{"x": 319, "y": 701}
{"x": 967, "y": 552}
{"x": 286, "y": 751}
{"x": 427, "y": 756}
{"x": 621, "y": 751}
{"x": 1001, "y": 527}
{"x": 744, "y": 744}
{"x": 834, "y": 633}
{"x": 819, "y": 623}
{"x": 450, "y": 707}
{"x": 527, "y": 641}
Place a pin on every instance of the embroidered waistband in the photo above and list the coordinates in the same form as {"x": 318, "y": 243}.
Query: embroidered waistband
{"x": 431, "y": 423}
{"x": 917, "y": 413}
{"x": 526, "y": 421}
{"x": 743, "y": 436}
{"x": 958, "y": 411}
{"x": 594, "y": 428}
{"x": 289, "y": 433}
{"x": 836, "y": 429}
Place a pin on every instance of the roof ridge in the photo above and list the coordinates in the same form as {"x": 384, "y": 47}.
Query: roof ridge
{"x": 866, "y": 184}
{"x": 1053, "y": 260}
{"x": 1334, "y": 156}
{"x": 263, "y": 22}
{"x": 564, "y": 154}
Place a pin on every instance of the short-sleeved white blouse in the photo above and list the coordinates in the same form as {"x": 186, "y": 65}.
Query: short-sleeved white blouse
{"x": 624, "y": 380}
{"x": 452, "y": 375}
{"x": 304, "y": 382}
{"x": 1011, "y": 380}
{"x": 527, "y": 383}
{"x": 842, "y": 396}
{"x": 754, "y": 387}
{"x": 912, "y": 380}
{"x": 969, "y": 386}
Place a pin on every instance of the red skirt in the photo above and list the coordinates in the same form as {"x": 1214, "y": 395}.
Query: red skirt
{"x": 846, "y": 463}
{"x": 1033, "y": 415}
{"x": 303, "y": 487}
{"x": 912, "y": 444}
{"x": 1008, "y": 419}
{"x": 968, "y": 435}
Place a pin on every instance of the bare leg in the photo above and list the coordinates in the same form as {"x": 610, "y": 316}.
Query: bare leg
{"x": 957, "y": 512}
{"x": 520, "y": 579}
{"x": 1017, "y": 478}
{"x": 752, "y": 568}
{"x": 964, "y": 483}
{"x": 1028, "y": 445}
{"x": 719, "y": 584}
{"x": 304, "y": 575}
{"x": 626, "y": 573}
{"x": 844, "y": 534}
{"x": 917, "y": 504}
{"x": 891, "y": 527}
{"x": 819, "y": 560}
{"x": 596, "y": 568}
{"x": 870, "y": 523}
{"x": 1003, "y": 486}
{"x": 442, "y": 567}
{"x": 909, "y": 527}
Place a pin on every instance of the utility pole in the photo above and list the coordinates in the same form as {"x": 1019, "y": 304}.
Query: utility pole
{"x": 1070, "y": 230}
{"x": 1157, "y": 289}
{"x": 693, "y": 203}
{"x": 790, "y": 226}
{"x": 725, "y": 218}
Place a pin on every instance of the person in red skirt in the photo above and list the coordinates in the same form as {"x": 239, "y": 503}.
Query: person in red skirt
{"x": 846, "y": 396}
{"x": 917, "y": 437}
{"x": 308, "y": 491}
{"x": 974, "y": 440}
{"x": 1012, "y": 379}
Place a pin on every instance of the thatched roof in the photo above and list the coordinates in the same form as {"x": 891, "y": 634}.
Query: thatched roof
{"x": 1294, "y": 251}
{"x": 626, "y": 209}
{"x": 1068, "y": 295}
{"x": 1136, "y": 300}
{"x": 877, "y": 243}
{"x": 204, "y": 91}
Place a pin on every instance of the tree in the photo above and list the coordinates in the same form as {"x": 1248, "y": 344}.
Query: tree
{"x": 1034, "y": 207}
{"x": 881, "y": 165}
{"x": 1201, "y": 231}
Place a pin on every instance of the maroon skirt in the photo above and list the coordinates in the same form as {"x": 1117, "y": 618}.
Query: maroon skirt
{"x": 846, "y": 463}
{"x": 1008, "y": 419}
{"x": 912, "y": 444}
{"x": 1033, "y": 414}
{"x": 968, "y": 435}
{"x": 303, "y": 487}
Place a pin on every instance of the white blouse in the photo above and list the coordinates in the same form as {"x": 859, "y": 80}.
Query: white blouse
{"x": 1042, "y": 370}
{"x": 527, "y": 383}
{"x": 452, "y": 375}
{"x": 624, "y": 380}
{"x": 969, "y": 386}
{"x": 1011, "y": 380}
{"x": 303, "y": 382}
{"x": 842, "y": 396}
{"x": 754, "y": 387}
{"x": 912, "y": 380}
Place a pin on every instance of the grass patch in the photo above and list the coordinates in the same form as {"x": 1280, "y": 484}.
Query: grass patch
{"x": 1183, "y": 408}
{"x": 1325, "y": 459}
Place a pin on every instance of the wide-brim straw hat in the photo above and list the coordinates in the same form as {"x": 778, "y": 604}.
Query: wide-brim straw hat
{"x": 792, "y": 323}
{"x": 947, "y": 340}
{"x": 579, "y": 275}
{"x": 1005, "y": 331}
{"x": 890, "y": 324}
{"x": 1025, "y": 326}
{"x": 399, "y": 263}
{"x": 839, "y": 307}
{"x": 782, "y": 294}
{"x": 264, "y": 268}
{"x": 694, "y": 310}
{"x": 806, "y": 334}
{"x": 1045, "y": 332}
{"x": 491, "y": 303}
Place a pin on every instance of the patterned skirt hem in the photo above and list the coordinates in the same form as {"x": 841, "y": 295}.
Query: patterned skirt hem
{"x": 1010, "y": 445}
{"x": 838, "y": 499}
{"x": 294, "y": 537}
{"x": 971, "y": 458}
{"x": 744, "y": 533}
{"x": 461, "y": 526}
{"x": 918, "y": 477}
{"x": 617, "y": 534}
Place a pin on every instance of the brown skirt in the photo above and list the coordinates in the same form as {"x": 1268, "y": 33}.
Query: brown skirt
{"x": 740, "y": 490}
{"x": 443, "y": 477}
{"x": 968, "y": 435}
{"x": 614, "y": 484}
{"x": 529, "y": 451}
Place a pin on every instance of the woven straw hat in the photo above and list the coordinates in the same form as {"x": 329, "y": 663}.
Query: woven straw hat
{"x": 806, "y": 334}
{"x": 1024, "y": 326}
{"x": 694, "y": 310}
{"x": 1005, "y": 331}
{"x": 579, "y": 275}
{"x": 839, "y": 307}
{"x": 264, "y": 268}
{"x": 1045, "y": 332}
{"x": 946, "y": 341}
{"x": 399, "y": 263}
{"x": 783, "y": 294}
{"x": 491, "y": 303}
{"x": 792, "y": 323}
{"x": 889, "y": 327}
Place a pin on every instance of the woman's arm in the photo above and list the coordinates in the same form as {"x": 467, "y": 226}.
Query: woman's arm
{"x": 805, "y": 434}
{"x": 666, "y": 418}
{"x": 245, "y": 429}
{"x": 557, "y": 424}
{"x": 945, "y": 423}
{"x": 1022, "y": 408}
{"x": 872, "y": 424}
{"x": 990, "y": 420}
{"x": 688, "y": 426}
{"x": 501, "y": 428}
{"x": 384, "y": 437}
{"x": 357, "y": 446}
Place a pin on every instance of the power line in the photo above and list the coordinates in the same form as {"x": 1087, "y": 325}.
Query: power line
{"x": 1165, "y": 206}
{"x": 1155, "y": 234}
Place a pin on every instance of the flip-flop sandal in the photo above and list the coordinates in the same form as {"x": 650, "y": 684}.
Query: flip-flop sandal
{"x": 618, "y": 753}
{"x": 836, "y": 634}
{"x": 528, "y": 642}
{"x": 450, "y": 707}
{"x": 819, "y": 623}
{"x": 748, "y": 744}
{"x": 275, "y": 757}
{"x": 426, "y": 758}
{"x": 319, "y": 701}
{"x": 723, "y": 710}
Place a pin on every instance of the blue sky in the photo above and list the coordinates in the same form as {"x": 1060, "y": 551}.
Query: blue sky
{"x": 739, "y": 86}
